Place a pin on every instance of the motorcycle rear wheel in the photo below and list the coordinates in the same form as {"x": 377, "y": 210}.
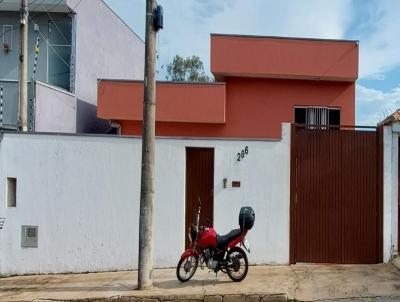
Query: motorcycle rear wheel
{"x": 238, "y": 264}
{"x": 186, "y": 268}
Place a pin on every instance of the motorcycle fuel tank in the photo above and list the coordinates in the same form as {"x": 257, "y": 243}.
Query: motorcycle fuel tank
{"x": 207, "y": 238}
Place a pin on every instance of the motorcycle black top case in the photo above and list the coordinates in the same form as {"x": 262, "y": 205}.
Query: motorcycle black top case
{"x": 246, "y": 218}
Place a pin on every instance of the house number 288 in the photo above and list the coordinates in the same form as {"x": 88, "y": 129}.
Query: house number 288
{"x": 242, "y": 153}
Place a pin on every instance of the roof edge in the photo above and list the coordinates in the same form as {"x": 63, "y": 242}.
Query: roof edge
{"x": 119, "y": 17}
{"x": 285, "y": 38}
{"x": 391, "y": 119}
{"x": 163, "y": 82}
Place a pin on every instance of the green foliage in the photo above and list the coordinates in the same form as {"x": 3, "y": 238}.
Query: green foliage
{"x": 188, "y": 69}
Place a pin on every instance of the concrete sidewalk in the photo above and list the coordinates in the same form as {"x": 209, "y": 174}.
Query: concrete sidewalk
{"x": 379, "y": 282}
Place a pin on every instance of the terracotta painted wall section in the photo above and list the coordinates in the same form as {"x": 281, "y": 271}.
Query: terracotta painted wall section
{"x": 190, "y": 103}
{"x": 264, "y": 80}
{"x": 283, "y": 58}
{"x": 255, "y": 108}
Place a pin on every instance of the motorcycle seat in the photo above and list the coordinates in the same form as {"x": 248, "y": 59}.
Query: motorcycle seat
{"x": 224, "y": 240}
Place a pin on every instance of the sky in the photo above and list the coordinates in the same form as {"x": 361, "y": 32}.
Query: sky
{"x": 374, "y": 23}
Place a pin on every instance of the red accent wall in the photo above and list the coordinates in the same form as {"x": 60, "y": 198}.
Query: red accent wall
{"x": 256, "y": 107}
{"x": 176, "y": 102}
{"x": 272, "y": 57}
{"x": 264, "y": 79}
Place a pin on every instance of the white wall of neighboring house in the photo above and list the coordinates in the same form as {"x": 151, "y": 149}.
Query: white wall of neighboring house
{"x": 102, "y": 46}
{"x": 83, "y": 194}
{"x": 55, "y": 109}
{"x": 106, "y": 48}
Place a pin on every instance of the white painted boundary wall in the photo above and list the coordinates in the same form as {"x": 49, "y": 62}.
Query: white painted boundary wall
{"x": 83, "y": 194}
{"x": 390, "y": 191}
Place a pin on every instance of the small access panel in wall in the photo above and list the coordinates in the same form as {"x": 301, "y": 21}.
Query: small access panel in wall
{"x": 11, "y": 192}
{"x": 235, "y": 184}
{"x": 29, "y": 236}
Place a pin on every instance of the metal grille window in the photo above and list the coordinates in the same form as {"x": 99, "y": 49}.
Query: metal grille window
{"x": 317, "y": 116}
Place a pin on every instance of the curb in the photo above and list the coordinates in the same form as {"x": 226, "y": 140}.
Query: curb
{"x": 182, "y": 298}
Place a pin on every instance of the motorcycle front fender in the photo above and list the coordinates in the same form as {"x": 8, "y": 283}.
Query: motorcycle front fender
{"x": 189, "y": 252}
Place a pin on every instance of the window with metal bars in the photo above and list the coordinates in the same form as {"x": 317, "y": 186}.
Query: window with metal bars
{"x": 317, "y": 116}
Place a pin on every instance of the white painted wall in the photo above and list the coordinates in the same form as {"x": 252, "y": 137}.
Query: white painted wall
{"x": 106, "y": 48}
{"x": 55, "y": 109}
{"x": 83, "y": 193}
{"x": 390, "y": 191}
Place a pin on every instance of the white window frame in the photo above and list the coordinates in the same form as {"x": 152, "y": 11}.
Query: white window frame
{"x": 5, "y": 28}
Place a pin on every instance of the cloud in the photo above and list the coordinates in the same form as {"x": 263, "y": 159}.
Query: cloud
{"x": 375, "y": 23}
{"x": 373, "y": 105}
{"x": 188, "y": 23}
{"x": 206, "y": 9}
{"x": 378, "y": 30}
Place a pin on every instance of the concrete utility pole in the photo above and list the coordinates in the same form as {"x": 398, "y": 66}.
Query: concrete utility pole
{"x": 23, "y": 67}
{"x": 145, "y": 276}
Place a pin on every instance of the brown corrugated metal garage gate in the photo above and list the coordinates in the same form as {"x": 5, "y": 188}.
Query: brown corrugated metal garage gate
{"x": 336, "y": 195}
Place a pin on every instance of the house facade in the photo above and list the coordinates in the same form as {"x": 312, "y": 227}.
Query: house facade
{"x": 261, "y": 83}
{"x": 71, "y": 44}
{"x": 320, "y": 195}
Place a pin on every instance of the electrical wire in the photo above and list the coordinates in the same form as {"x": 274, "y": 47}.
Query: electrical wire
{"x": 76, "y": 5}
{"x": 44, "y": 38}
{"x": 17, "y": 25}
{"x": 48, "y": 11}
{"x": 52, "y": 47}
{"x": 58, "y": 29}
{"x": 36, "y": 16}
{"x": 34, "y": 1}
{"x": 41, "y": 14}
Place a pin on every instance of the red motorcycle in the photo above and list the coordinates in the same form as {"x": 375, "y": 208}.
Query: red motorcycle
{"x": 218, "y": 253}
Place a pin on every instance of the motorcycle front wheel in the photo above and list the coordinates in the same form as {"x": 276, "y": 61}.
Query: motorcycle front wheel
{"x": 186, "y": 268}
{"x": 238, "y": 265}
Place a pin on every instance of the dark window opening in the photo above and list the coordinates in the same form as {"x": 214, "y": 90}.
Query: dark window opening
{"x": 300, "y": 115}
{"x": 334, "y": 117}
{"x": 317, "y": 116}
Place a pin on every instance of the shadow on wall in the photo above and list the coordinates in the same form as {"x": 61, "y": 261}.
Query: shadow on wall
{"x": 87, "y": 121}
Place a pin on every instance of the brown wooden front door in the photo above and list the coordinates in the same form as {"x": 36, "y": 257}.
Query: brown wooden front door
{"x": 199, "y": 183}
{"x": 336, "y": 196}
